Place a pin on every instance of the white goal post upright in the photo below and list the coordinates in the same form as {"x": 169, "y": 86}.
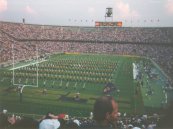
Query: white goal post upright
{"x": 13, "y": 61}
{"x": 20, "y": 85}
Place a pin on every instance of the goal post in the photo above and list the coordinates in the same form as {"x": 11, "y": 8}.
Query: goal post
{"x": 25, "y": 68}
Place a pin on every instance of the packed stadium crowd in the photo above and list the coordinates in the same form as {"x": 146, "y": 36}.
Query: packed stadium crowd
{"x": 153, "y": 43}
{"x": 132, "y": 35}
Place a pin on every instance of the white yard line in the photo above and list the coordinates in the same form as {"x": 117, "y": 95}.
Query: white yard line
{"x": 27, "y": 65}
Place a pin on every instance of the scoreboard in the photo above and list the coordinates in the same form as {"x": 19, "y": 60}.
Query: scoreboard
{"x": 108, "y": 24}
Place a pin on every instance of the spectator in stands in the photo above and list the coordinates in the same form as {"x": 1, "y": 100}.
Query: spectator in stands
{"x": 49, "y": 124}
{"x": 167, "y": 121}
{"x": 105, "y": 112}
{"x": 3, "y": 121}
{"x": 25, "y": 123}
{"x": 51, "y": 121}
{"x": 16, "y": 122}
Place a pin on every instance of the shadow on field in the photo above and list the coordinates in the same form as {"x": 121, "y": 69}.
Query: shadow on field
{"x": 72, "y": 99}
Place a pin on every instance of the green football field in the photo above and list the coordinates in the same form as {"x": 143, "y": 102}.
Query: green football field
{"x": 63, "y": 77}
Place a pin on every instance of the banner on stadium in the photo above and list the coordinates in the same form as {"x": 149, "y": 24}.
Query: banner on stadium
{"x": 72, "y": 53}
{"x": 107, "y": 24}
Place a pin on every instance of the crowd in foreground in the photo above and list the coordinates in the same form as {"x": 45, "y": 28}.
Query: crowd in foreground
{"x": 105, "y": 116}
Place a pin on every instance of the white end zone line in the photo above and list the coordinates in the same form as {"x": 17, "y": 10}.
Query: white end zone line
{"x": 28, "y": 65}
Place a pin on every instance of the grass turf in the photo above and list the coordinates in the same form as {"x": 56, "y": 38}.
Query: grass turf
{"x": 35, "y": 102}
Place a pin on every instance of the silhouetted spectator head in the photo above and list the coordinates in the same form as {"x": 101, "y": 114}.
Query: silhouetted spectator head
{"x": 167, "y": 121}
{"x": 3, "y": 120}
{"x": 105, "y": 110}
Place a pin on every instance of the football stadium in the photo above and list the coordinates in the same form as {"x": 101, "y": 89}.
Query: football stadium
{"x": 66, "y": 73}
{"x": 64, "y": 69}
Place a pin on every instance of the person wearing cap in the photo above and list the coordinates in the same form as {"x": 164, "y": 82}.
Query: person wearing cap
{"x": 49, "y": 124}
{"x": 105, "y": 112}
{"x": 51, "y": 121}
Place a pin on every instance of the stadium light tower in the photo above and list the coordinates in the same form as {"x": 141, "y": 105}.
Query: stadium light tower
{"x": 109, "y": 13}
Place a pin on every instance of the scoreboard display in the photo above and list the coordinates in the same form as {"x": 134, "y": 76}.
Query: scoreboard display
{"x": 108, "y": 24}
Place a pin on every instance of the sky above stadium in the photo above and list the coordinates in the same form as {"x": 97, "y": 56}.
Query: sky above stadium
{"x": 132, "y": 13}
